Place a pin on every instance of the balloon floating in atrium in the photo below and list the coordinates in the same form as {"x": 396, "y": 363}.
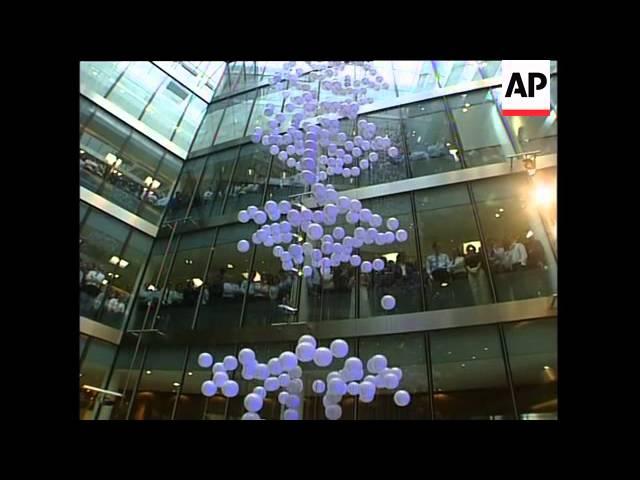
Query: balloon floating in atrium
{"x": 349, "y": 380}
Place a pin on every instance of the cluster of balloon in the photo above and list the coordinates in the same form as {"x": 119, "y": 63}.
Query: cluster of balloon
{"x": 318, "y": 150}
{"x": 284, "y": 373}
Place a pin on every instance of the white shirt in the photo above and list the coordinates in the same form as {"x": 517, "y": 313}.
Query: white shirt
{"x": 518, "y": 254}
{"x": 441, "y": 262}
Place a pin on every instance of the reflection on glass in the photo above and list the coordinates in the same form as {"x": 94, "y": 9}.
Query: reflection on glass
{"x": 187, "y": 282}
{"x": 136, "y": 87}
{"x": 236, "y": 117}
{"x": 227, "y": 280}
{"x": 157, "y": 391}
{"x": 207, "y": 131}
{"x": 249, "y": 179}
{"x": 533, "y": 356}
{"x": 457, "y": 72}
{"x": 522, "y": 262}
{"x": 179, "y": 204}
{"x": 99, "y": 77}
{"x": 406, "y": 351}
{"x": 484, "y": 138}
{"x": 93, "y": 372}
{"x": 400, "y": 276}
{"x": 450, "y": 243}
{"x": 432, "y": 148}
{"x": 469, "y": 377}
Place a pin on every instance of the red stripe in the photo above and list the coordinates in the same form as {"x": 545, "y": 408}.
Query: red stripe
{"x": 526, "y": 113}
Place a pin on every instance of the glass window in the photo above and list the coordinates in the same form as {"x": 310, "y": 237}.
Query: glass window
{"x": 430, "y": 140}
{"x": 157, "y": 391}
{"x": 410, "y": 76}
{"x": 400, "y": 277}
{"x": 236, "y": 117}
{"x": 187, "y": 126}
{"x": 284, "y": 182}
{"x": 125, "y": 373}
{"x": 87, "y": 109}
{"x": 266, "y": 96}
{"x": 387, "y": 169}
{"x": 484, "y": 138}
{"x": 187, "y": 283}
{"x": 179, "y": 204}
{"x": 227, "y": 279}
{"x": 102, "y": 240}
{"x": 455, "y": 273}
{"x": 93, "y": 372}
{"x": 522, "y": 262}
{"x": 99, "y": 77}
{"x": 192, "y": 404}
{"x": 533, "y": 355}
{"x": 207, "y": 131}
{"x": 457, "y": 72}
{"x": 157, "y": 191}
{"x": 469, "y": 377}
{"x": 100, "y": 144}
{"x": 406, "y": 351}
{"x": 136, "y": 87}
{"x": 312, "y": 407}
{"x": 271, "y": 409}
{"x": 554, "y": 93}
{"x": 167, "y": 106}
{"x": 213, "y": 187}
{"x": 154, "y": 279}
{"x": 200, "y": 77}
{"x": 249, "y": 179}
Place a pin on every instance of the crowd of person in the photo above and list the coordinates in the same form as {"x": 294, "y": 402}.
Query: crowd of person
{"x": 99, "y": 300}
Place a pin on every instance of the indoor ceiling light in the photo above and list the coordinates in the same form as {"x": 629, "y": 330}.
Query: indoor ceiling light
{"x": 155, "y": 184}
{"x": 148, "y": 181}
{"x": 465, "y": 110}
{"x": 175, "y": 384}
{"x": 543, "y": 195}
{"x": 229, "y": 265}
{"x": 114, "y": 260}
{"x": 501, "y": 210}
{"x": 197, "y": 282}
{"x": 189, "y": 373}
{"x": 497, "y": 215}
{"x": 148, "y": 372}
{"x": 105, "y": 281}
{"x": 81, "y": 151}
{"x": 530, "y": 234}
{"x": 110, "y": 158}
{"x": 123, "y": 263}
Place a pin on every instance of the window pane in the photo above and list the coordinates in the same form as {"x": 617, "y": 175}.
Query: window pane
{"x": 430, "y": 140}
{"x": 484, "y": 138}
{"x": 134, "y": 90}
{"x": 192, "y": 404}
{"x": 266, "y": 96}
{"x": 533, "y": 355}
{"x": 157, "y": 196}
{"x": 103, "y": 238}
{"x": 98, "y": 77}
{"x": 186, "y": 280}
{"x": 387, "y": 169}
{"x": 166, "y": 107}
{"x": 469, "y": 377}
{"x": 179, "y": 204}
{"x": 411, "y": 76}
{"x": 93, "y": 373}
{"x": 400, "y": 277}
{"x": 205, "y": 136}
{"x": 457, "y": 72}
{"x": 159, "y": 383}
{"x": 213, "y": 187}
{"x": 249, "y": 179}
{"x": 187, "y": 127}
{"x": 406, "y": 351}
{"x": 87, "y": 109}
{"x": 236, "y": 117}
{"x": 522, "y": 261}
{"x": 454, "y": 271}
{"x": 227, "y": 280}
{"x": 125, "y": 372}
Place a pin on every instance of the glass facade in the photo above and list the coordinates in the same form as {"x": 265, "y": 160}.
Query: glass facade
{"x": 477, "y": 237}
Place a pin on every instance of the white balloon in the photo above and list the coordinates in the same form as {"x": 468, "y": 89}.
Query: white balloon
{"x": 367, "y": 389}
{"x": 376, "y": 220}
{"x": 208, "y": 388}
{"x": 315, "y": 231}
{"x": 253, "y": 402}
{"x": 271, "y": 384}
{"x": 243, "y": 216}
{"x": 353, "y": 364}
{"x": 365, "y": 215}
{"x": 246, "y": 356}
{"x": 275, "y": 368}
{"x": 352, "y": 217}
{"x": 260, "y": 391}
{"x": 260, "y": 217}
{"x": 248, "y": 373}
{"x": 243, "y": 246}
{"x": 378, "y": 264}
{"x": 305, "y": 350}
{"x": 295, "y": 372}
{"x": 262, "y": 371}
{"x": 293, "y": 401}
{"x": 230, "y": 363}
{"x": 308, "y": 339}
{"x": 322, "y": 357}
{"x": 230, "y": 389}
{"x": 397, "y": 372}
{"x": 318, "y": 386}
{"x": 402, "y": 235}
{"x": 282, "y": 397}
{"x": 391, "y": 381}
{"x": 339, "y": 348}
{"x": 370, "y": 378}
{"x": 284, "y": 380}
{"x": 295, "y": 386}
{"x": 401, "y": 398}
{"x": 219, "y": 378}
{"x": 379, "y": 363}
{"x": 329, "y": 399}
{"x": 291, "y": 414}
{"x": 288, "y": 360}
{"x": 388, "y": 302}
{"x": 389, "y": 237}
{"x": 336, "y": 386}
{"x": 333, "y": 412}
{"x": 353, "y": 388}
{"x": 393, "y": 223}
{"x": 393, "y": 152}
{"x": 205, "y": 360}
{"x": 366, "y": 266}
{"x": 307, "y": 271}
